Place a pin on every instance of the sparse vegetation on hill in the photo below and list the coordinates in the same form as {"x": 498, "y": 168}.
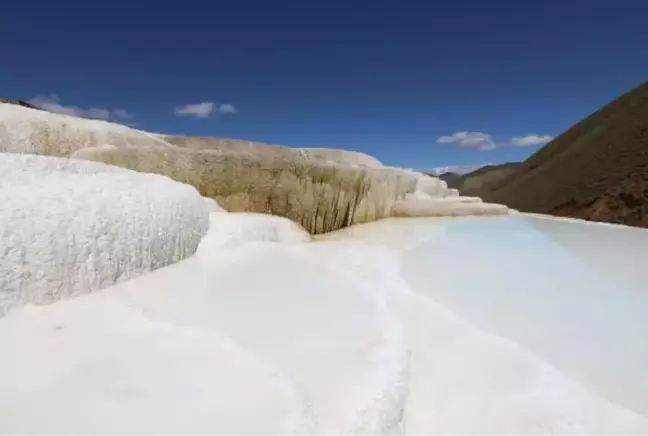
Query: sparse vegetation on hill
{"x": 597, "y": 170}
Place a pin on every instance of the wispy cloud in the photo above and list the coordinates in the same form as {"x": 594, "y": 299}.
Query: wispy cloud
{"x": 51, "y": 102}
{"x": 121, "y": 113}
{"x": 479, "y": 140}
{"x": 227, "y": 108}
{"x": 204, "y": 109}
{"x": 484, "y": 141}
{"x": 198, "y": 110}
{"x": 532, "y": 139}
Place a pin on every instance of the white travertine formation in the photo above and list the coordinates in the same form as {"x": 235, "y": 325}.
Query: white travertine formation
{"x": 26, "y": 130}
{"x": 238, "y": 228}
{"x": 341, "y": 157}
{"x": 260, "y": 331}
{"x": 69, "y": 227}
{"x": 431, "y": 185}
{"x": 448, "y": 203}
{"x": 255, "y": 338}
{"x": 320, "y": 189}
{"x": 320, "y": 338}
{"x": 213, "y": 206}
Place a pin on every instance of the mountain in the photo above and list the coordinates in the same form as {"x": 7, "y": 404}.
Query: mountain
{"x": 480, "y": 180}
{"x": 453, "y": 169}
{"x": 597, "y": 170}
{"x": 451, "y": 178}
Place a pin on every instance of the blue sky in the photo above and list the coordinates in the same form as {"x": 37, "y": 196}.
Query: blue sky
{"x": 386, "y": 77}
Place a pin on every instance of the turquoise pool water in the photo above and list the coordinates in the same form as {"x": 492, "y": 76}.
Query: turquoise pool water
{"x": 573, "y": 294}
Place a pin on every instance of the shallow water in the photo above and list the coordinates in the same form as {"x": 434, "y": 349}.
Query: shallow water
{"x": 525, "y": 325}
{"x": 573, "y": 294}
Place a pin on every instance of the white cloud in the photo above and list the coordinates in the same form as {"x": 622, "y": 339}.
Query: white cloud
{"x": 481, "y": 141}
{"x": 522, "y": 141}
{"x": 121, "y": 113}
{"x": 198, "y": 110}
{"x": 204, "y": 109}
{"x": 227, "y": 108}
{"x": 52, "y": 103}
{"x": 484, "y": 141}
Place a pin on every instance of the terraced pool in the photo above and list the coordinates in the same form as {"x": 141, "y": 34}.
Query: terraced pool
{"x": 572, "y": 293}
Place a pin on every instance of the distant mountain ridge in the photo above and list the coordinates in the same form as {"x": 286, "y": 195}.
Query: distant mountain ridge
{"x": 453, "y": 169}
{"x": 481, "y": 180}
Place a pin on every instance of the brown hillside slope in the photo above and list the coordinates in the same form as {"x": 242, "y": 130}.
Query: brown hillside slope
{"x": 483, "y": 179}
{"x": 596, "y": 170}
{"x": 450, "y": 178}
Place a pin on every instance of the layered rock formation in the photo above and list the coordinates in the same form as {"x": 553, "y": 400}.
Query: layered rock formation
{"x": 320, "y": 189}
